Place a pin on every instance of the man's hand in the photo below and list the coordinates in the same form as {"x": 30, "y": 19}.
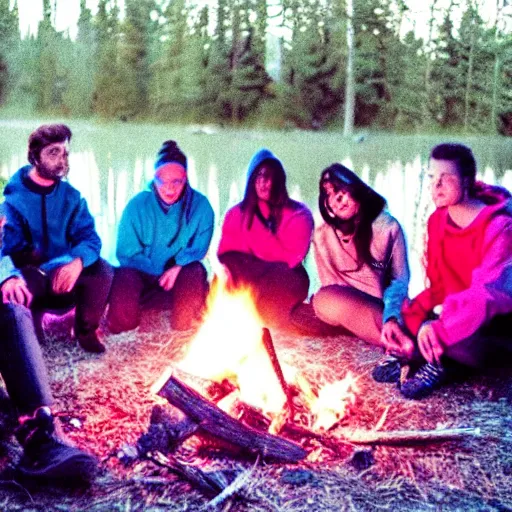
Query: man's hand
{"x": 15, "y": 290}
{"x": 429, "y": 344}
{"x": 168, "y": 278}
{"x": 65, "y": 277}
{"x": 395, "y": 341}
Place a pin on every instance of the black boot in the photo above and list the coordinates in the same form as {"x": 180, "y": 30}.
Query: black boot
{"x": 48, "y": 458}
{"x": 91, "y": 342}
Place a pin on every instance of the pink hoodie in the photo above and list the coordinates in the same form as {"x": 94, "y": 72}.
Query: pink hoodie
{"x": 470, "y": 274}
{"x": 289, "y": 244}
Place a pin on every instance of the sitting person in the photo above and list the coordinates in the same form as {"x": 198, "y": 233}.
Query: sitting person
{"x": 164, "y": 233}
{"x": 46, "y": 455}
{"x": 264, "y": 241}
{"x": 469, "y": 269}
{"x": 51, "y": 238}
{"x": 361, "y": 257}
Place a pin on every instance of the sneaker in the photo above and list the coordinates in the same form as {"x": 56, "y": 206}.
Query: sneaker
{"x": 427, "y": 379}
{"x": 388, "y": 370}
{"x": 90, "y": 342}
{"x": 46, "y": 457}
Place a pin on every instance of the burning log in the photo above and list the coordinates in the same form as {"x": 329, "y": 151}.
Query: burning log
{"x": 271, "y": 351}
{"x": 406, "y": 436}
{"x": 214, "y": 422}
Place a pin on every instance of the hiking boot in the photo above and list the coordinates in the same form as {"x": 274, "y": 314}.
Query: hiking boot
{"x": 90, "y": 342}
{"x": 427, "y": 379}
{"x": 388, "y": 370}
{"x": 48, "y": 458}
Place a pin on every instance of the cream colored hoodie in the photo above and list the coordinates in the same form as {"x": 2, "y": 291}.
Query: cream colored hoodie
{"x": 387, "y": 278}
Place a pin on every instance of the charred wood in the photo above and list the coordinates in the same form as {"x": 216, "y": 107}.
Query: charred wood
{"x": 215, "y": 422}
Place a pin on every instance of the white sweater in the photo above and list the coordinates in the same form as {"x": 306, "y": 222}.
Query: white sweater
{"x": 387, "y": 278}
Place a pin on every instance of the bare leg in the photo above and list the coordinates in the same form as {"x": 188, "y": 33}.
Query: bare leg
{"x": 352, "y": 309}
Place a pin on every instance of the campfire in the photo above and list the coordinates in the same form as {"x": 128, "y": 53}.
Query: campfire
{"x": 231, "y": 387}
{"x": 232, "y": 363}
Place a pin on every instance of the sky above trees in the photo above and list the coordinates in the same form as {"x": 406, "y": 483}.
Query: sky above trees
{"x": 68, "y": 11}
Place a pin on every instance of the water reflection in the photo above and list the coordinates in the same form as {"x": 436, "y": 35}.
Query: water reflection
{"x": 110, "y": 164}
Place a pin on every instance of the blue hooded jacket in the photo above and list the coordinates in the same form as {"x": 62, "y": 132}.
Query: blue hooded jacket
{"x": 47, "y": 226}
{"x": 153, "y": 239}
{"x": 259, "y": 157}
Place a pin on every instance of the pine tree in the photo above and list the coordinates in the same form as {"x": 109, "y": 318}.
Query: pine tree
{"x": 49, "y": 90}
{"x": 218, "y": 69}
{"x": 114, "y": 91}
{"x": 447, "y": 84}
{"x": 308, "y": 93}
{"x": 134, "y": 54}
{"x": 78, "y": 98}
{"x": 9, "y": 47}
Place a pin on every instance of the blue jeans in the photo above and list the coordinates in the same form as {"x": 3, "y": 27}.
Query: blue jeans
{"x": 21, "y": 362}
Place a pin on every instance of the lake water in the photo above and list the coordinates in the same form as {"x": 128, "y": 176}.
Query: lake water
{"x": 109, "y": 163}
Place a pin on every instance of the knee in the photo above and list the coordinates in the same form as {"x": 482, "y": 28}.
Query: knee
{"x": 328, "y": 304}
{"x": 119, "y": 322}
{"x": 15, "y": 313}
{"x": 194, "y": 273}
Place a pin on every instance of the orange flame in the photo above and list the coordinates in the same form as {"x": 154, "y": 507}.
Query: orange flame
{"x": 229, "y": 346}
{"x": 333, "y": 402}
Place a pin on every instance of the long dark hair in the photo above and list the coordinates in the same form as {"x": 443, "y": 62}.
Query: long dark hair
{"x": 278, "y": 194}
{"x": 370, "y": 202}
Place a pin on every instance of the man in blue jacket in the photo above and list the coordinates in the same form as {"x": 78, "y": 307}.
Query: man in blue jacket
{"x": 46, "y": 455}
{"x": 50, "y": 236}
{"x": 164, "y": 233}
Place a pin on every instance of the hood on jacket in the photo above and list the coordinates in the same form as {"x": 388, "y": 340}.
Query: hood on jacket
{"x": 258, "y": 158}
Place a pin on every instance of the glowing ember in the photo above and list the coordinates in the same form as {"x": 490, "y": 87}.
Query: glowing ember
{"x": 229, "y": 346}
{"x": 333, "y": 401}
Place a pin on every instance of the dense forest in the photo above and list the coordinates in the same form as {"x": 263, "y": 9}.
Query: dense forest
{"x": 345, "y": 63}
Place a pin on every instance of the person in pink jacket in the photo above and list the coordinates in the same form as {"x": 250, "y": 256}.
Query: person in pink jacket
{"x": 265, "y": 239}
{"x": 465, "y": 313}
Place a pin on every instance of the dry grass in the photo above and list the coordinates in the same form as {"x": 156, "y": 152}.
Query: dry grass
{"x": 110, "y": 397}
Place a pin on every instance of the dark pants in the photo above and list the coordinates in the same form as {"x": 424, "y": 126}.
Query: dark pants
{"x": 89, "y": 296}
{"x": 277, "y": 289}
{"x": 21, "y": 362}
{"x": 133, "y": 290}
{"x": 490, "y": 346}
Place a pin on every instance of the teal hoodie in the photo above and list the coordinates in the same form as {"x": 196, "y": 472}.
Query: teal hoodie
{"x": 152, "y": 239}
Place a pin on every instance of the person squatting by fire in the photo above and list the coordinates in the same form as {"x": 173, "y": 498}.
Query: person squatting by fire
{"x": 461, "y": 319}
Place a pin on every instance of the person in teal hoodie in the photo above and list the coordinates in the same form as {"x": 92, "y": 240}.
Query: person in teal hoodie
{"x": 164, "y": 233}
{"x": 50, "y": 236}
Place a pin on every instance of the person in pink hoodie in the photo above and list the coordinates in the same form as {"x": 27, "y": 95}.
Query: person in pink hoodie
{"x": 465, "y": 313}
{"x": 264, "y": 241}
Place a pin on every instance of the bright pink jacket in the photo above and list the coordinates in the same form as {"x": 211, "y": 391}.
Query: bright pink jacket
{"x": 470, "y": 274}
{"x": 289, "y": 244}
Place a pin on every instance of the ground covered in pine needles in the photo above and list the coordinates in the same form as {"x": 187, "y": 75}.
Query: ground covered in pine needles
{"x": 105, "y": 405}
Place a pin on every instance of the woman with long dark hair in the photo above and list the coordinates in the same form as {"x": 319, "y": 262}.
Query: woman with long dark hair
{"x": 361, "y": 258}
{"x": 265, "y": 239}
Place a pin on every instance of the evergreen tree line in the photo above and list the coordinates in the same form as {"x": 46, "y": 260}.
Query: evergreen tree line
{"x": 172, "y": 61}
